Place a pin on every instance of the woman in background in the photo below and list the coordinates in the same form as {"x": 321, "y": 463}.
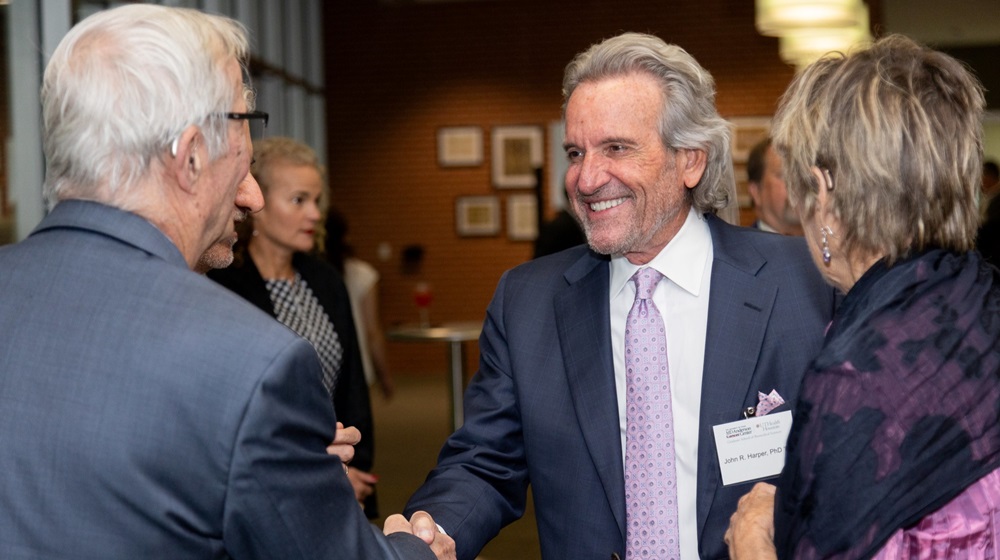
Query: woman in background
{"x": 895, "y": 446}
{"x": 274, "y": 271}
{"x": 362, "y": 286}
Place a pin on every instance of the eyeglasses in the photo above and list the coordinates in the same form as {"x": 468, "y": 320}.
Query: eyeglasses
{"x": 256, "y": 119}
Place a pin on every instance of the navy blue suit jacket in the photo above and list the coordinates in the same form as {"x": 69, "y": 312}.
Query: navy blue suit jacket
{"x": 147, "y": 412}
{"x": 542, "y": 409}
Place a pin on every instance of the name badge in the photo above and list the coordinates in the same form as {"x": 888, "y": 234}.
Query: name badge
{"x": 754, "y": 448}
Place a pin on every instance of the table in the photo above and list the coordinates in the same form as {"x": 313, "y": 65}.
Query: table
{"x": 455, "y": 334}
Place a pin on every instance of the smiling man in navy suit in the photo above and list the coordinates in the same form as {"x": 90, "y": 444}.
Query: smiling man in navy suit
{"x": 744, "y": 311}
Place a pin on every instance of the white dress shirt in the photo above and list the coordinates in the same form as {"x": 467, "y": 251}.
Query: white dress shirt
{"x": 682, "y": 298}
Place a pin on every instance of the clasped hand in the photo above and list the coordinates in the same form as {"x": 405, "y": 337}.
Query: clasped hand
{"x": 420, "y": 524}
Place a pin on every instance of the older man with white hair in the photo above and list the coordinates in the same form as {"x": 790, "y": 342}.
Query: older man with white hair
{"x": 146, "y": 412}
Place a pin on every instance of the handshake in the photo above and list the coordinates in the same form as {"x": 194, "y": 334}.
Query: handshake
{"x": 420, "y": 524}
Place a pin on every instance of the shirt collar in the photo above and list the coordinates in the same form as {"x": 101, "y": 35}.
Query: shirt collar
{"x": 764, "y": 226}
{"x": 682, "y": 260}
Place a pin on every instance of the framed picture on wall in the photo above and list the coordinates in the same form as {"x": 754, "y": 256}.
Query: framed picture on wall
{"x": 747, "y": 131}
{"x": 477, "y": 216}
{"x": 522, "y": 217}
{"x": 517, "y": 151}
{"x": 460, "y": 146}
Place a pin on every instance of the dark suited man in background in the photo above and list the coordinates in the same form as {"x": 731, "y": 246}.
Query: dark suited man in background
{"x": 146, "y": 412}
{"x": 561, "y": 232}
{"x": 743, "y": 312}
{"x": 989, "y": 203}
{"x": 988, "y": 236}
{"x": 766, "y": 184}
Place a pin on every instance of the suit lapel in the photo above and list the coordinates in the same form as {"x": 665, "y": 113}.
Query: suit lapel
{"x": 740, "y": 306}
{"x": 583, "y": 323}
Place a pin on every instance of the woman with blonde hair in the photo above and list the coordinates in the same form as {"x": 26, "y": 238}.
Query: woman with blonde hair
{"x": 273, "y": 269}
{"x": 895, "y": 446}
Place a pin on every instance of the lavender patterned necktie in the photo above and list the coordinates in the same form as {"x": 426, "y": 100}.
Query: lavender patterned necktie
{"x": 650, "y": 473}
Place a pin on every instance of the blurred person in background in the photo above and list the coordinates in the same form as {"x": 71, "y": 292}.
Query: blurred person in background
{"x": 989, "y": 204}
{"x": 988, "y": 238}
{"x": 273, "y": 270}
{"x": 361, "y": 279}
{"x": 561, "y": 232}
{"x": 766, "y": 184}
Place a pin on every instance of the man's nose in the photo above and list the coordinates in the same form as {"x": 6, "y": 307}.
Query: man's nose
{"x": 592, "y": 174}
{"x": 249, "y": 196}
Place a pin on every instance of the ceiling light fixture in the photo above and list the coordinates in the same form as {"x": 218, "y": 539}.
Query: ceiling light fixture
{"x": 809, "y": 29}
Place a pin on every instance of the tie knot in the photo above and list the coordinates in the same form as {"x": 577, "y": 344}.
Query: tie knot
{"x": 646, "y": 280}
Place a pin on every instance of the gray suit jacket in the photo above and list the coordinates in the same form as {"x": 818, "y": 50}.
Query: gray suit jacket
{"x": 146, "y": 412}
{"x": 543, "y": 410}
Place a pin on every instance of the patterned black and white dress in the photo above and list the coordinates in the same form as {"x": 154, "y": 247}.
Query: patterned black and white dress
{"x": 296, "y": 307}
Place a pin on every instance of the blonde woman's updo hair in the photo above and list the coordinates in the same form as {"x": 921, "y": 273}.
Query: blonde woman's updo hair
{"x": 274, "y": 150}
{"x": 899, "y": 128}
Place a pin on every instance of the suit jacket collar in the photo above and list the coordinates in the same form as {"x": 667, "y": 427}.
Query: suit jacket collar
{"x": 115, "y": 223}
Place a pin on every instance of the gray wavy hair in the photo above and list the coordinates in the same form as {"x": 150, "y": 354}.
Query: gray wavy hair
{"x": 688, "y": 120}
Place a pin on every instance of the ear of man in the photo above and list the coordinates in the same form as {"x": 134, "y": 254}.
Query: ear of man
{"x": 691, "y": 164}
{"x": 188, "y": 155}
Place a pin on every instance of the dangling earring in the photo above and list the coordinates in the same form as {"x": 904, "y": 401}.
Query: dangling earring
{"x": 254, "y": 233}
{"x": 825, "y": 230}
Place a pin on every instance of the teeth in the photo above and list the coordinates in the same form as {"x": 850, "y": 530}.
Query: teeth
{"x": 604, "y": 205}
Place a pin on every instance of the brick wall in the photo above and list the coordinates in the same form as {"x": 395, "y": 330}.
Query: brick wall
{"x": 398, "y": 72}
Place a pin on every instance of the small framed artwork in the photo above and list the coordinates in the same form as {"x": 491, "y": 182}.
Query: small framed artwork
{"x": 460, "y": 146}
{"x": 522, "y": 217}
{"x": 477, "y": 216}
{"x": 747, "y": 131}
{"x": 517, "y": 152}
